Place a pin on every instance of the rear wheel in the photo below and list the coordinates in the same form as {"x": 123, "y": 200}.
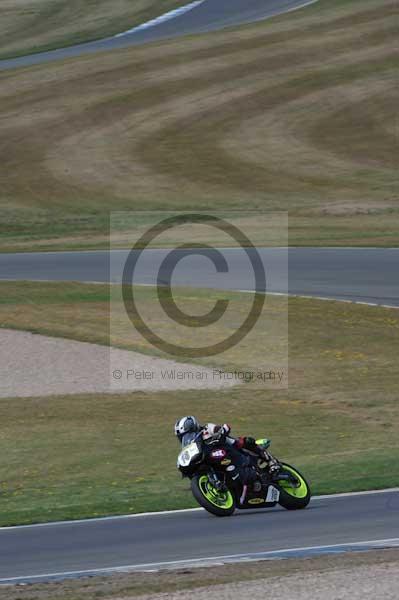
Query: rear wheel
{"x": 217, "y": 502}
{"x": 294, "y": 494}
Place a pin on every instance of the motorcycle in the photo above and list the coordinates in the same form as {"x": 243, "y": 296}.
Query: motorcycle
{"x": 216, "y": 486}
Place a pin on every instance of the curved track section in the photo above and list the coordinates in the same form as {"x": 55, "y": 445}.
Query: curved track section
{"x": 369, "y": 275}
{"x": 209, "y": 15}
{"x": 69, "y": 549}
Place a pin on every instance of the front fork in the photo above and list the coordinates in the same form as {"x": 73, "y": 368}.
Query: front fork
{"x": 216, "y": 482}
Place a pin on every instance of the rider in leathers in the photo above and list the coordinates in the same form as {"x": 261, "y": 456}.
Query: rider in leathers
{"x": 219, "y": 435}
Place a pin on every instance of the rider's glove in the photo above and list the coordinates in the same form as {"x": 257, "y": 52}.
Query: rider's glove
{"x": 226, "y": 429}
{"x": 250, "y": 443}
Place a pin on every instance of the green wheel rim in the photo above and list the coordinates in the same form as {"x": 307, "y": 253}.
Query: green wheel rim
{"x": 214, "y": 496}
{"x": 297, "y": 492}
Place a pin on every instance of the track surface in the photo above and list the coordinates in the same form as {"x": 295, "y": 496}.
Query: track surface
{"x": 210, "y": 15}
{"x": 123, "y": 541}
{"x": 362, "y": 274}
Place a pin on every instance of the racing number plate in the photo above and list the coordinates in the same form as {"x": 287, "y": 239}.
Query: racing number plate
{"x": 273, "y": 494}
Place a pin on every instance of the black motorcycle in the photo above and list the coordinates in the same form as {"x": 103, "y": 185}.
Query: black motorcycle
{"x": 217, "y": 488}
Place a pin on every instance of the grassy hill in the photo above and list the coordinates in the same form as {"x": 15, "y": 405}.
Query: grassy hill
{"x": 296, "y": 113}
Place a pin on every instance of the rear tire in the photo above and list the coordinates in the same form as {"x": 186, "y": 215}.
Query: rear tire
{"x": 220, "y": 504}
{"x": 294, "y": 498}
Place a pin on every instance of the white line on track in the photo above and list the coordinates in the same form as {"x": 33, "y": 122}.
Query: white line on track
{"x": 208, "y": 561}
{"x": 183, "y": 510}
{"x": 293, "y": 295}
{"x": 325, "y": 298}
{"x": 288, "y": 10}
{"x": 172, "y": 14}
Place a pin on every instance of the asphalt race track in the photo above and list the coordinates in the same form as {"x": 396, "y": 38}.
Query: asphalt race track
{"x": 209, "y": 15}
{"x": 70, "y": 548}
{"x": 357, "y": 274}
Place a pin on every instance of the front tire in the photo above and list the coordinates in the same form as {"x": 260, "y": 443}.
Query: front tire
{"x": 294, "y": 497}
{"x": 220, "y": 504}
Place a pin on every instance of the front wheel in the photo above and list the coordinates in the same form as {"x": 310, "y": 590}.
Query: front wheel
{"x": 221, "y": 504}
{"x": 294, "y": 494}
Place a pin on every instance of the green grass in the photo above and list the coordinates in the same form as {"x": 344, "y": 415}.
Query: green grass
{"x": 29, "y": 26}
{"x": 293, "y": 114}
{"x": 84, "y": 456}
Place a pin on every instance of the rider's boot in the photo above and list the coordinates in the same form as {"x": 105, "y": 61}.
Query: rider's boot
{"x": 269, "y": 464}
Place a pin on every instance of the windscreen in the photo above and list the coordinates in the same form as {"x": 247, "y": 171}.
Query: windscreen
{"x": 188, "y": 438}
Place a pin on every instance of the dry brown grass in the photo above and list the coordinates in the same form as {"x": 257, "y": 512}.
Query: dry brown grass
{"x": 296, "y": 113}
{"x": 127, "y": 586}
